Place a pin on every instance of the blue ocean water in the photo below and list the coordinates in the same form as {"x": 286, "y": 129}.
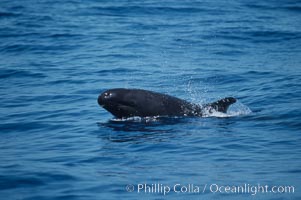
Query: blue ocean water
{"x": 58, "y": 56}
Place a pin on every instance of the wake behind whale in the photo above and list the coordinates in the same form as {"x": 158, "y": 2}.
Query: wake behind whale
{"x": 126, "y": 103}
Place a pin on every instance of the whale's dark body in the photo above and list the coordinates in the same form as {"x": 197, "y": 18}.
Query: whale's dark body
{"x": 124, "y": 103}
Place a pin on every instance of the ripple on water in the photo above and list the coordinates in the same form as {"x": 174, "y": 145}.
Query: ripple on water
{"x": 57, "y": 56}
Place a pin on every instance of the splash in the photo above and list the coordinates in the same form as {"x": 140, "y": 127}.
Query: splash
{"x": 196, "y": 94}
{"x": 200, "y": 96}
{"x": 137, "y": 119}
{"x": 237, "y": 109}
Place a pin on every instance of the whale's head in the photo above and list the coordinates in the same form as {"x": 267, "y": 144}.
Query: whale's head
{"x": 121, "y": 102}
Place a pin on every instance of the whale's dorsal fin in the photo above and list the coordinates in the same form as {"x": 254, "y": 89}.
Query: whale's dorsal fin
{"x": 222, "y": 105}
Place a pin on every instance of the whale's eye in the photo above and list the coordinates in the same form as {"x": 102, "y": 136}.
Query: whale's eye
{"x": 107, "y": 94}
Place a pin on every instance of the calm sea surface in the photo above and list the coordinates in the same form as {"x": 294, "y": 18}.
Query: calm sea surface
{"x": 57, "y": 56}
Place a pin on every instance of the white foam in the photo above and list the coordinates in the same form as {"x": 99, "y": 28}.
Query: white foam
{"x": 236, "y": 109}
{"x": 136, "y": 119}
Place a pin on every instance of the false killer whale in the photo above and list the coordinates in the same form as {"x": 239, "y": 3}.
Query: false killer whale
{"x": 124, "y": 103}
